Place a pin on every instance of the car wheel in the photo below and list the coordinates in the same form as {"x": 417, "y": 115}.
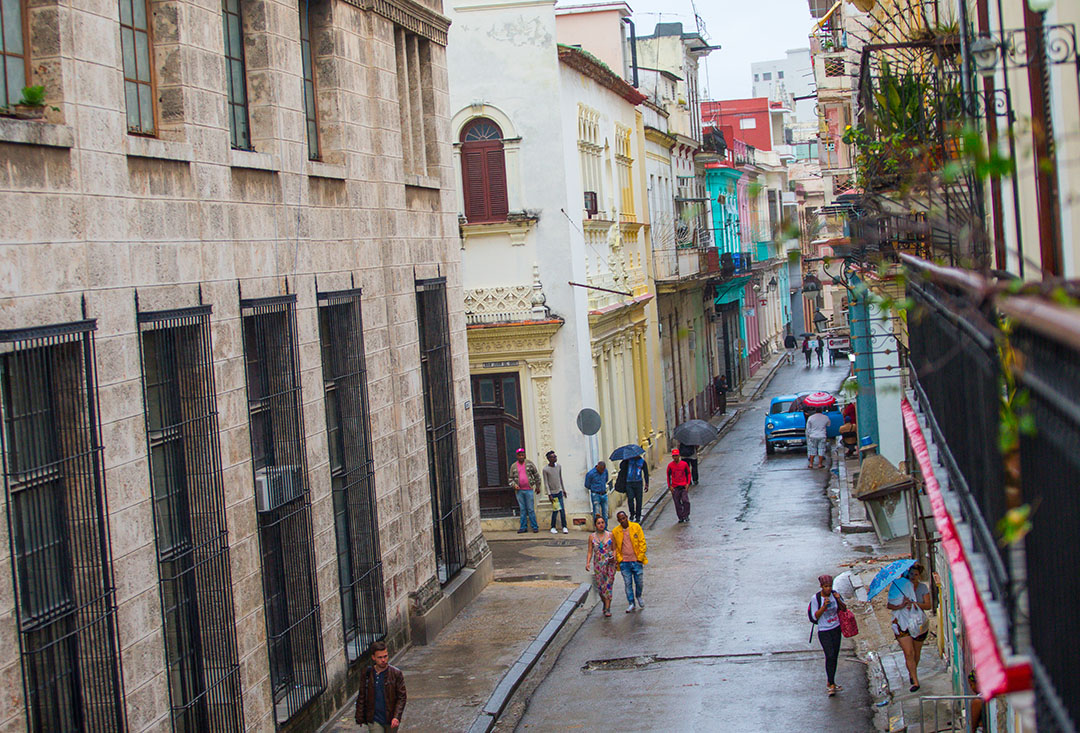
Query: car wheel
{"x": 770, "y": 449}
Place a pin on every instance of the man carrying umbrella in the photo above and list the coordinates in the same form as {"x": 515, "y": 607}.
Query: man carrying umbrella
{"x": 633, "y": 477}
{"x": 678, "y": 481}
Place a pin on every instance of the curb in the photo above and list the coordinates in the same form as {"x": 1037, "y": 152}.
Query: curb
{"x": 496, "y": 703}
{"x": 767, "y": 380}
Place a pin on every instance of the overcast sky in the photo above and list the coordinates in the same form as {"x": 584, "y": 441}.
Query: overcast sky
{"x": 746, "y": 30}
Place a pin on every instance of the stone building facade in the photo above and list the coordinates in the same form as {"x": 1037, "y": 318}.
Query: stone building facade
{"x": 233, "y": 362}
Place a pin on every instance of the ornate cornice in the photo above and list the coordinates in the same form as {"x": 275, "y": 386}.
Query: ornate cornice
{"x": 410, "y": 15}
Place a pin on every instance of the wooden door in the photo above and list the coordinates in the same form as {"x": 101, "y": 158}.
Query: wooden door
{"x": 497, "y": 420}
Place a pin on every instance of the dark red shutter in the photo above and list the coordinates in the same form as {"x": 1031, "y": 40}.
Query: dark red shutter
{"x": 473, "y": 180}
{"x": 498, "y": 206}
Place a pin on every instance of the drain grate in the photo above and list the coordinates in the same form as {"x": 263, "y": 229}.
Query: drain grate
{"x": 530, "y": 578}
{"x": 643, "y": 661}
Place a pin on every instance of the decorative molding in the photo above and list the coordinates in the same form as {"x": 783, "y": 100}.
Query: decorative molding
{"x": 540, "y": 369}
{"x": 411, "y": 16}
{"x": 541, "y": 382}
{"x": 499, "y": 304}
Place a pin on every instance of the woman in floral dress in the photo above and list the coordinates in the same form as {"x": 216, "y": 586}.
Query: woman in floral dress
{"x": 602, "y": 550}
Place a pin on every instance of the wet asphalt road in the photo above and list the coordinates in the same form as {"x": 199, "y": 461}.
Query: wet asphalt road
{"x": 722, "y": 642}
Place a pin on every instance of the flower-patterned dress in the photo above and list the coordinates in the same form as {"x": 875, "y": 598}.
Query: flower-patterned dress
{"x": 604, "y": 568}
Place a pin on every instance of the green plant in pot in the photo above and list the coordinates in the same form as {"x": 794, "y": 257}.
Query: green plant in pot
{"x": 32, "y": 104}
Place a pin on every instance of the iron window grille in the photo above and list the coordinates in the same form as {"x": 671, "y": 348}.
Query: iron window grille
{"x": 65, "y": 600}
{"x": 236, "y": 74}
{"x": 435, "y": 367}
{"x": 352, "y": 471}
{"x": 189, "y": 520}
{"x": 283, "y": 504}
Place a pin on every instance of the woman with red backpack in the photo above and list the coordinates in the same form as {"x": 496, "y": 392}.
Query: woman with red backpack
{"x": 824, "y": 611}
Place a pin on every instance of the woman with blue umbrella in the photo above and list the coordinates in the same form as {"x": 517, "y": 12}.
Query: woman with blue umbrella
{"x": 908, "y": 600}
{"x": 633, "y": 477}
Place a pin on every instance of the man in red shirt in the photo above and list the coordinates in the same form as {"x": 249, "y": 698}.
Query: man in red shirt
{"x": 678, "y": 481}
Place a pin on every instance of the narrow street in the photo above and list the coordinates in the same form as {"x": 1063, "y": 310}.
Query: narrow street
{"x": 722, "y": 642}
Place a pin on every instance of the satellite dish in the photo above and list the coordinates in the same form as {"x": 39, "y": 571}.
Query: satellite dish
{"x": 588, "y": 421}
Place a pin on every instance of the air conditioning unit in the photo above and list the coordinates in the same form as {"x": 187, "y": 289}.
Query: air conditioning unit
{"x": 276, "y": 486}
{"x": 591, "y": 205}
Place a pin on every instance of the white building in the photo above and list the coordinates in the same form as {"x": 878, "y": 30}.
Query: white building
{"x": 550, "y": 151}
{"x": 789, "y": 80}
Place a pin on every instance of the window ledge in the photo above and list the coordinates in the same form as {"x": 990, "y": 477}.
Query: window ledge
{"x": 36, "y": 133}
{"x": 318, "y": 169}
{"x": 423, "y": 181}
{"x": 152, "y": 147}
{"x": 255, "y": 161}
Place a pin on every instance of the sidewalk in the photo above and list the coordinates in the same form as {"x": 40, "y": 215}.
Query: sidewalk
{"x": 897, "y": 707}
{"x": 752, "y": 388}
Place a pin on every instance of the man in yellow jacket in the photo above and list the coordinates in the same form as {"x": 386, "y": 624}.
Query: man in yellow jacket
{"x": 629, "y": 541}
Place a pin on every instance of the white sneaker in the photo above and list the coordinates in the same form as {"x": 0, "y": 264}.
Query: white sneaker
{"x": 554, "y": 531}
{"x": 630, "y": 608}
{"x": 565, "y": 530}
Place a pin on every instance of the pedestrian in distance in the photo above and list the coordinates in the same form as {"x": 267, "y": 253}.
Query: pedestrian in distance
{"x": 678, "y": 482}
{"x": 909, "y": 600}
{"x": 601, "y": 555}
{"x": 556, "y": 492}
{"x": 790, "y": 344}
{"x": 720, "y": 386}
{"x": 629, "y": 541}
{"x": 807, "y": 349}
{"x": 824, "y": 610}
{"x": 525, "y": 480}
{"x": 689, "y": 454}
{"x": 817, "y": 431}
{"x": 596, "y": 481}
{"x": 819, "y": 347}
{"x": 380, "y": 703}
{"x": 634, "y": 478}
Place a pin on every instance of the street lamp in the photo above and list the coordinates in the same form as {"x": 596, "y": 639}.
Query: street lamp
{"x": 1040, "y": 6}
{"x": 984, "y": 52}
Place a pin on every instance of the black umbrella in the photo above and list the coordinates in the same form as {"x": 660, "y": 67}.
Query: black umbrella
{"x": 695, "y": 432}
{"x": 630, "y": 450}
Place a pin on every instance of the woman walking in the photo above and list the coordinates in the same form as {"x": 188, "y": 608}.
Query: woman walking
{"x": 909, "y": 600}
{"x": 601, "y": 555}
{"x": 825, "y": 608}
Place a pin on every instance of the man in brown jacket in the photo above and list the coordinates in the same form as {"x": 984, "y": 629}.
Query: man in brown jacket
{"x": 381, "y": 700}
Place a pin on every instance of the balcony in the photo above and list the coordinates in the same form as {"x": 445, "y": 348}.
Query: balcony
{"x": 1002, "y": 412}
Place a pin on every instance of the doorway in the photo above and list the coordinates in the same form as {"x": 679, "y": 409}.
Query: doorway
{"x": 497, "y": 420}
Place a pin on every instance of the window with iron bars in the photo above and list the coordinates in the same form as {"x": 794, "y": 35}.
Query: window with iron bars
{"x": 189, "y": 520}
{"x": 352, "y": 471}
{"x": 435, "y": 367}
{"x": 282, "y": 503}
{"x": 57, "y": 519}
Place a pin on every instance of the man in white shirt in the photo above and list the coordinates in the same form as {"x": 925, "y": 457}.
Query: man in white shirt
{"x": 817, "y": 430}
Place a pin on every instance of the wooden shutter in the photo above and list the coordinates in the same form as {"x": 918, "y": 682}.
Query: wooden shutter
{"x": 498, "y": 206}
{"x": 473, "y": 180}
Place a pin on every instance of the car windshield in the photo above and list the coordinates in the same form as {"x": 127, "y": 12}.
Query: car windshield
{"x": 780, "y": 407}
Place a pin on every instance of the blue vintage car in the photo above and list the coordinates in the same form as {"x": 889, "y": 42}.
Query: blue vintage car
{"x": 785, "y": 424}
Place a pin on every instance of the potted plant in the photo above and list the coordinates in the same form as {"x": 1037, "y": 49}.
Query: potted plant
{"x": 32, "y": 104}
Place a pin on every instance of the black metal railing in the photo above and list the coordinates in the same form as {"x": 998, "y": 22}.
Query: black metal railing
{"x": 439, "y": 408}
{"x": 956, "y": 375}
{"x": 294, "y": 631}
{"x": 1048, "y": 368}
{"x": 65, "y": 600}
{"x": 352, "y": 471}
{"x": 189, "y": 519}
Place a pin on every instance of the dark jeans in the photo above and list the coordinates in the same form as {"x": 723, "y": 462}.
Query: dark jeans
{"x": 682, "y": 502}
{"x": 693, "y": 469}
{"x": 721, "y": 401}
{"x": 560, "y": 511}
{"x": 807, "y": 355}
{"x": 830, "y": 642}
{"x": 819, "y": 359}
{"x": 634, "y": 491}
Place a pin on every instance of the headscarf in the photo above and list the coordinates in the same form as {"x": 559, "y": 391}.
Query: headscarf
{"x": 824, "y": 580}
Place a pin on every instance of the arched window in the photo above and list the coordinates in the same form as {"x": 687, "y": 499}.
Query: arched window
{"x": 483, "y": 171}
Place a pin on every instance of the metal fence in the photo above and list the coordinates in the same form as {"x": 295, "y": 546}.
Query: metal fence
{"x": 955, "y": 372}
{"x": 1047, "y": 341}
{"x": 352, "y": 471}
{"x": 65, "y": 600}
{"x": 189, "y": 518}
{"x": 294, "y": 638}
{"x": 439, "y": 406}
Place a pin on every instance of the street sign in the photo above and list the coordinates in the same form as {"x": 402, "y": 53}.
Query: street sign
{"x": 588, "y": 421}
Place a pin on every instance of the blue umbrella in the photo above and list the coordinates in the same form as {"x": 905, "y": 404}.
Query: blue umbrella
{"x": 631, "y": 450}
{"x": 887, "y": 575}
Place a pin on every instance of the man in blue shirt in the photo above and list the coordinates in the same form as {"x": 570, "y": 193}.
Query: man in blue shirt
{"x": 596, "y": 482}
